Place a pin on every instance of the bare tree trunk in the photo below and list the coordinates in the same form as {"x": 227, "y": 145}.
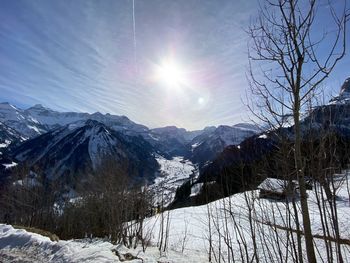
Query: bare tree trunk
{"x": 301, "y": 180}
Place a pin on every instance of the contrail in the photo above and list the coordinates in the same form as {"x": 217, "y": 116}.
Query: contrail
{"x": 134, "y": 32}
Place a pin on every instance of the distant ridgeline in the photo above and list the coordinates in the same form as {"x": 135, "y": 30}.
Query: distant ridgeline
{"x": 326, "y": 141}
{"x": 70, "y": 147}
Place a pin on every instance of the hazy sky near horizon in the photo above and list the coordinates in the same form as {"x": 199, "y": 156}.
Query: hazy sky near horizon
{"x": 80, "y": 56}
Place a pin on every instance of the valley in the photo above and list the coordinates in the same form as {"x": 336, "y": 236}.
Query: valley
{"x": 174, "y": 131}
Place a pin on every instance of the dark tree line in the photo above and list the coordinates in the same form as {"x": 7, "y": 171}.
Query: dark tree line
{"x": 103, "y": 205}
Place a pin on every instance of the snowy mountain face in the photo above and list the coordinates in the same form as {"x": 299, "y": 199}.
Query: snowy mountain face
{"x": 180, "y": 134}
{"x": 67, "y": 143}
{"x": 53, "y": 119}
{"x": 191, "y": 224}
{"x": 172, "y": 141}
{"x": 20, "y": 121}
{"x": 335, "y": 115}
{"x": 38, "y": 120}
{"x": 208, "y": 145}
{"x": 202, "y": 145}
{"x": 344, "y": 95}
{"x": 8, "y": 136}
{"x": 80, "y": 148}
{"x": 172, "y": 174}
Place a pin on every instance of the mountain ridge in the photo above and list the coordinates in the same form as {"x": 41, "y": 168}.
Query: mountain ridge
{"x": 66, "y": 145}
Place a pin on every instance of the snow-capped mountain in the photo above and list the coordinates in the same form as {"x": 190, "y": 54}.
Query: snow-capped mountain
{"x": 335, "y": 115}
{"x": 20, "y": 121}
{"x": 38, "y": 120}
{"x": 180, "y": 134}
{"x": 53, "y": 119}
{"x": 172, "y": 141}
{"x": 65, "y": 144}
{"x": 201, "y": 145}
{"x": 80, "y": 148}
{"x": 330, "y": 119}
{"x": 210, "y": 143}
{"x": 344, "y": 95}
{"x": 8, "y": 136}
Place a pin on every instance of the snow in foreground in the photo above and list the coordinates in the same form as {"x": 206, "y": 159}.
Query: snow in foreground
{"x": 226, "y": 223}
{"x": 17, "y": 245}
{"x": 189, "y": 231}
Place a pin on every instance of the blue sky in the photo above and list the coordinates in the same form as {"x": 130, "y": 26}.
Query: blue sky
{"x": 79, "y": 56}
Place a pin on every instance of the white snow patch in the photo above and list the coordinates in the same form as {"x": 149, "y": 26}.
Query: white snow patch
{"x": 263, "y": 136}
{"x": 153, "y": 137}
{"x": 173, "y": 173}
{"x": 196, "y": 188}
{"x": 28, "y": 182}
{"x": 34, "y": 128}
{"x": 5, "y": 144}
{"x": 195, "y": 145}
{"x": 189, "y": 229}
{"x": 193, "y": 223}
{"x": 20, "y": 244}
{"x": 17, "y": 245}
{"x": 10, "y": 165}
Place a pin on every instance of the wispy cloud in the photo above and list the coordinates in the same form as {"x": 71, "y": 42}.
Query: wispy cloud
{"x": 78, "y": 55}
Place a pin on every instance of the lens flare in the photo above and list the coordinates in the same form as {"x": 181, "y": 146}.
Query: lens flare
{"x": 170, "y": 74}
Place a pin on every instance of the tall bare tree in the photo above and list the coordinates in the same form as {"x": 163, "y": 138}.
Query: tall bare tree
{"x": 290, "y": 57}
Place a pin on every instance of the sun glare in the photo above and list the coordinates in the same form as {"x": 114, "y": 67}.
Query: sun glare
{"x": 170, "y": 74}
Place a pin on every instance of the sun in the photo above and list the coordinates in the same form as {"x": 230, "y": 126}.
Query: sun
{"x": 170, "y": 74}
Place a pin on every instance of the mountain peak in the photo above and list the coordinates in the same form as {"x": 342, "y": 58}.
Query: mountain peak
{"x": 92, "y": 123}
{"x": 344, "y": 95}
{"x": 37, "y": 107}
{"x": 6, "y": 105}
{"x": 345, "y": 87}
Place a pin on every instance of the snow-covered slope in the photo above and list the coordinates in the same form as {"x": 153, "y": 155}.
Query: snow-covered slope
{"x": 209, "y": 144}
{"x": 170, "y": 141}
{"x": 180, "y": 134}
{"x": 333, "y": 116}
{"x": 17, "y": 245}
{"x": 173, "y": 141}
{"x": 81, "y": 147}
{"x": 52, "y": 119}
{"x": 344, "y": 95}
{"x": 217, "y": 220}
{"x": 8, "y": 136}
{"x": 222, "y": 227}
{"x": 59, "y": 149}
{"x": 37, "y": 120}
{"x": 202, "y": 145}
{"x": 20, "y": 121}
{"x": 172, "y": 174}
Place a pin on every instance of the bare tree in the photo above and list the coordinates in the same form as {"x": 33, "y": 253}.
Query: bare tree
{"x": 292, "y": 61}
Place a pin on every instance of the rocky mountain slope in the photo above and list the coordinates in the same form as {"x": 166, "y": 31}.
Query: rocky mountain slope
{"x": 8, "y": 136}
{"x": 80, "y": 148}
{"x": 209, "y": 144}
{"x": 231, "y": 167}
{"x": 19, "y": 120}
{"x": 68, "y": 144}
